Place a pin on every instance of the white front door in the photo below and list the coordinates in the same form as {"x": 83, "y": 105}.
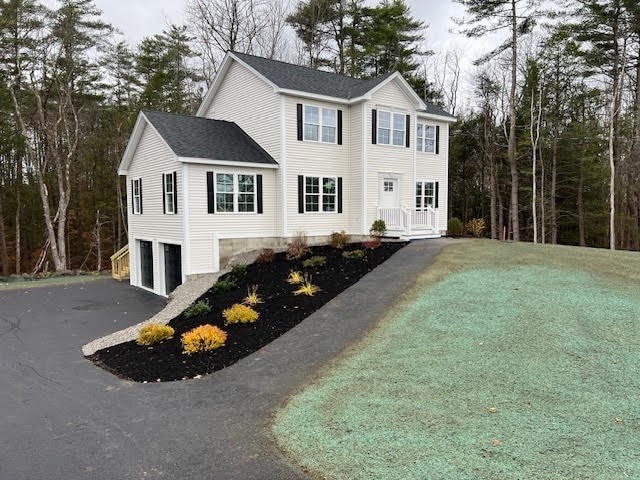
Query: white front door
{"x": 389, "y": 193}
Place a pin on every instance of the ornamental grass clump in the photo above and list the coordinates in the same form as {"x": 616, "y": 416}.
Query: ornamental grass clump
{"x": 154, "y": 333}
{"x": 307, "y": 288}
{"x": 204, "y": 338}
{"x": 239, "y": 313}
{"x": 372, "y": 243}
{"x": 295, "y": 278}
{"x": 201, "y": 307}
{"x": 316, "y": 261}
{"x": 476, "y": 227}
{"x": 354, "y": 255}
{"x": 298, "y": 247}
{"x": 267, "y": 255}
{"x": 224, "y": 286}
{"x": 252, "y": 299}
{"x": 339, "y": 239}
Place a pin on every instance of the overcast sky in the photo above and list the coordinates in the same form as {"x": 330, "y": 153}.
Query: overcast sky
{"x": 141, "y": 18}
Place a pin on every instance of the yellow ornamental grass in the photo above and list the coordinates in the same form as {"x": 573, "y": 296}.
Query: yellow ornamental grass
{"x": 252, "y": 299}
{"x": 154, "y": 333}
{"x": 307, "y": 288}
{"x": 204, "y": 338}
{"x": 295, "y": 278}
{"x": 239, "y": 313}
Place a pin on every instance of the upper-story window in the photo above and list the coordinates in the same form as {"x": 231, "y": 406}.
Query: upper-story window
{"x": 320, "y": 124}
{"x": 391, "y": 128}
{"x": 169, "y": 192}
{"x": 426, "y": 138}
{"x": 136, "y": 195}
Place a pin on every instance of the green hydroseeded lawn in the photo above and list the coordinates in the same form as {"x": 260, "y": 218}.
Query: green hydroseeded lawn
{"x": 548, "y": 336}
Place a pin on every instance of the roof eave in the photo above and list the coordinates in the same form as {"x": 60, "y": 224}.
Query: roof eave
{"x": 132, "y": 144}
{"x": 440, "y": 118}
{"x": 227, "y": 163}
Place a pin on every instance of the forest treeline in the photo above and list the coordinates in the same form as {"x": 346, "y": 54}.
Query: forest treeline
{"x": 557, "y": 110}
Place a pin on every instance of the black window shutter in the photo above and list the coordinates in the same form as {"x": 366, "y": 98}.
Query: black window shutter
{"x": 408, "y": 132}
{"x": 374, "y": 126}
{"x": 133, "y": 207}
{"x": 339, "y": 127}
{"x": 175, "y": 192}
{"x": 437, "y": 192}
{"x": 300, "y": 122}
{"x": 164, "y": 200}
{"x": 140, "y": 192}
{"x": 437, "y": 139}
{"x": 300, "y": 193}
{"x": 339, "y": 194}
{"x": 259, "y": 192}
{"x": 211, "y": 194}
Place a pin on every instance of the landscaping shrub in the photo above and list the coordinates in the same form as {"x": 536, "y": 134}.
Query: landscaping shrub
{"x": 295, "y": 278}
{"x": 372, "y": 243}
{"x": 339, "y": 239}
{"x": 238, "y": 270}
{"x": 224, "y": 285}
{"x": 315, "y": 261}
{"x": 239, "y": 313}
{"x": 154, "y": 333}
{"x": 307, "y": 288}
{"x": 454, "y": 227}
{"x": 298, "y": 247}
{"x": 267, "y": 255}
{"x": 252, "y": 299}
{"x": 378, "y": 228}
{"x": 476, "y": 227}
{"x": 204, "y": 338}
{"x": 354, "y": 255}
{"x": 201, "y": 307}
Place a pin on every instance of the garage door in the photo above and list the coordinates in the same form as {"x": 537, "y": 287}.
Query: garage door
{"x": 172, "y": 267}
{"x": 146, "y": 264}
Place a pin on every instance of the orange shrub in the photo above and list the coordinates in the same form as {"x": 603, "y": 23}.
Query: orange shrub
{"x": 204, "y": 338}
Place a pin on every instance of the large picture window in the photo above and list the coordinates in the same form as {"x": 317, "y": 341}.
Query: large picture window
{"x": 320, "y": 124}
{"x": 425, "y": 195}
{"x": 426, "y": 138}
{"x": 391, "y": 128}
{"x": 320, "y": 194}
{"x": 235, "y": 193}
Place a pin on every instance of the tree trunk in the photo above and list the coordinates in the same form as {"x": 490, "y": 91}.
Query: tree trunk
{"x": 512, "y": 150}
{"x": 495, "y": 232}
{"x": 18, "y": 210}
{"x": 580, "y": 204}
{"x": 4, "y": 254}
{"x": 552, "y": 194}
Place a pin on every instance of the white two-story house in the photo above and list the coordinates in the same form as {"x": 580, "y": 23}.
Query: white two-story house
{"x": 277, "y": 149}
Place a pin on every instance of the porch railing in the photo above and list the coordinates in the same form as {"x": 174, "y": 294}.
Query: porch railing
{"x": 120, "y": 264}
{"x": 409, "y": 219}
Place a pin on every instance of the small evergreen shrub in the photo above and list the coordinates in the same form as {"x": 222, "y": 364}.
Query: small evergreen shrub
{"x": 295, "y": 278}
{"x": 298, "y": 247}
{"x": 204, "y": 338}
{"x": 239, "y": 313}
{"x": 267, "y": 255}
{"x": 372, "y": 243}
{"x": 354, "y": 255}
{"x": 154, "y": 333}
{"x": 307, "y": 288}
{"x": 316, "y": 261}
{"x": 454, "y": 227}
{"x": 238, "y": 270}
{"x": 378, "y": 228}
{"x": 224, "y": 285}
{"x": 201, "y": 307}
{"x": 252, "y": 299}
{"x": 339, "y": 239}
{"x": 476, "y": 227}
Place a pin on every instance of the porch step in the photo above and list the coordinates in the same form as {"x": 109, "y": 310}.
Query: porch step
{"x": 419, "y": 236}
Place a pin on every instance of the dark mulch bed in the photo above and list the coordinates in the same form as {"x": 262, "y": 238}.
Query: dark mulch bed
{"x": 280, "y": 312}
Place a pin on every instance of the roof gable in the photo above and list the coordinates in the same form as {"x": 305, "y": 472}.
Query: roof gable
{"x": 191, "y": 137}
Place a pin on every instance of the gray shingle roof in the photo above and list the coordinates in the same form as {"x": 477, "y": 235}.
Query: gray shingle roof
{"x": 436, "y": 110}
{"x": 310, "y": 80}
{"x": 199, "y": 137}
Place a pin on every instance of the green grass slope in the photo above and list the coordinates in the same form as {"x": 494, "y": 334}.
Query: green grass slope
{"x": 507, "y": 361}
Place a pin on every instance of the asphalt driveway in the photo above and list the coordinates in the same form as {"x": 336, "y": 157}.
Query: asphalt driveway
{"x": 63, "y": 418}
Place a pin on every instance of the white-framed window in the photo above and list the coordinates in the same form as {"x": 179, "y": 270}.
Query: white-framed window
{"x": 235, "y": 193}
{"x": 320, "y": 124}
{"x": 320, "y": 194}
{"x": 425, "y": 195}
{"x": 169, "y": 193}
{"x": 137, "y": 196}
{"x": 391, "y": 128}
{"x": 388, "y": 186}
{"x": 426, "y": 138}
